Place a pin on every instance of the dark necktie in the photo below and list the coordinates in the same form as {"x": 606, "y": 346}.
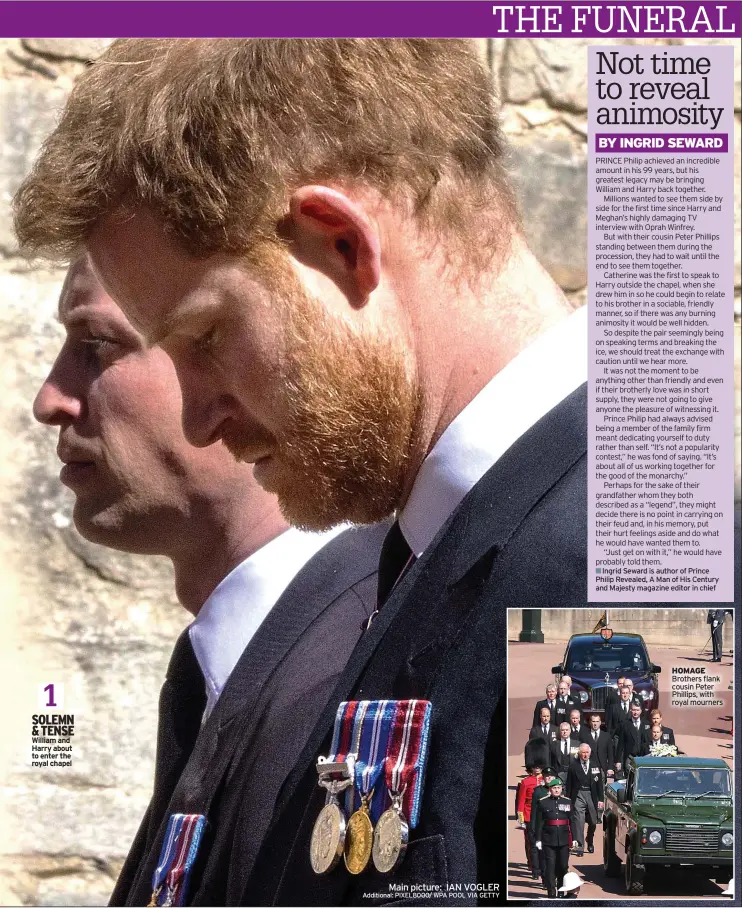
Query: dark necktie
{"x": 595, "y": 736}
{"x": 395, "y": 560}
{"x": 545, "y": 729}
{"x": 182, "y": 703}
{"x": 564, "y": 746}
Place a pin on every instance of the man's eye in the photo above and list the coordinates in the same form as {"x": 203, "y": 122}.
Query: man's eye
{"x": 206, "y": 341}
{"x": 99, "y": 347}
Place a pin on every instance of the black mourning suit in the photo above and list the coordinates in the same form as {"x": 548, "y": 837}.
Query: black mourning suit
{"x": 630, "y": 741}
{"x": 548, "y": 704}
{"x": 260, "y": 722}
{"x": 601, "y": 751}
{"x": 561, "y": 761}
{"x": 616, "y": 715}
{"x": 517, "y": 539}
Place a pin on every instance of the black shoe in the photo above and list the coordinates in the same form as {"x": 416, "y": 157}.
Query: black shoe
{"x": 551, "y": 893}
{"x": 579, "y": 853}
{"x": 591, "y": 849}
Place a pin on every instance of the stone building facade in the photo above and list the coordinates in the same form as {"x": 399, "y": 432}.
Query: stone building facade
{"x": 103, "y": 623}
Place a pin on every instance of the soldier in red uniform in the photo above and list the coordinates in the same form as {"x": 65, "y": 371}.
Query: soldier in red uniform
{"x": 523, "y": 809}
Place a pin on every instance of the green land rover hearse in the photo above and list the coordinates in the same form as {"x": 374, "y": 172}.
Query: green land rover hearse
{"x": 669, "y": 811}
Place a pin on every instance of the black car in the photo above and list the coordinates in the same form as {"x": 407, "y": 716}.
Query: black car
{"x": 595, "y": 662}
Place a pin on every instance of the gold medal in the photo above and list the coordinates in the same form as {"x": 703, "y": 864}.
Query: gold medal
{"x": 328, "y": 838}
{"x": 390, "y": 840}
{"x": 359, "y": 841}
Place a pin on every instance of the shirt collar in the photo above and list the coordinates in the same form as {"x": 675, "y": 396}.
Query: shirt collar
{"x": 237, "y": 607}
{"x": 531, "y": 384}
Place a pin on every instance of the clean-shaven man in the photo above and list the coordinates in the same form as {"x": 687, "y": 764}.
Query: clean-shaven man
{"x": 276, "y": 611}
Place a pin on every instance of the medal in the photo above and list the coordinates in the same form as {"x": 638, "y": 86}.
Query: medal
{"x": 328, "y": 838}
{"x": 375, "y": 727}
{"x": 179, "y": 851}
{"x": 336, "y": 773}
{"x": 359, "y": 841}
{"x": 404, "y": 769}
{"x": 390, "y": 839}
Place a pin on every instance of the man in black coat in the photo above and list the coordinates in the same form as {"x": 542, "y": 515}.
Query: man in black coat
{"x": 630, "y": 737}
{"x": 601, "y": 745}
{"x": 276, "y": 611}
{"x": 620, "y": 712}
{"x": 545, "y": 728}
{"x": 553, "y": 834}
{"x": 585, "y": 791}
{"x": 715, "y": 620}
{"x": 666, "y": 734}
{"x": 565, "y": 702}
{"x": 549, "y": 702}
{"x": 564, "y": 750}
{"x": 575, "y": 722}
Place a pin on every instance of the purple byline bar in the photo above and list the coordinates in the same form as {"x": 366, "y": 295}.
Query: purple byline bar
{"x": 606, "y": 143}
{"x": 369, "y": 18}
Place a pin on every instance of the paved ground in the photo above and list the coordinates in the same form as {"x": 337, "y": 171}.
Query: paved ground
{"x": 703, "y": 732}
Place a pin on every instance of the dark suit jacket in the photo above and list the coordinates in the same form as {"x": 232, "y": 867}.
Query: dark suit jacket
{"x": 615, "y": 717}
{"x": 536, "y": 732}
{"x": 517, "y": 539}
{"x": 562, "y": 710}
{"x": 550, "y": 705}
{"x": 560, "y": 761}
{"x": 630, "y": 741}
{"x": 260, "y": 723}
{"x": 600, "y": 750}
{"x": 576, "y": 779}
{"x": 668, "y": 737}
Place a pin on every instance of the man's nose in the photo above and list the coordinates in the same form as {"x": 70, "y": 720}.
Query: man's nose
{"x": 206, "y": 420}
{"x": 55, "y": 403}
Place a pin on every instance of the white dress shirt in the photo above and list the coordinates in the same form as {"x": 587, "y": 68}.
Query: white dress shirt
{"x": 237, "y": 607}
{"x": 531, "y": 384}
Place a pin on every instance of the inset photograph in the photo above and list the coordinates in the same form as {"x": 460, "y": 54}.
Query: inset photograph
{"x": 620, "y": 753}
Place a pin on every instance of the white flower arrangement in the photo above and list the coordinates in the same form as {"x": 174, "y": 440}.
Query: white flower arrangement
{"x": 663, "y": 750}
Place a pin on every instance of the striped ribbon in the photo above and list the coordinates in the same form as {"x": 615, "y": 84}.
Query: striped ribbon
{"x": 407, "y": 755}
{"x": 375, "y": 731}
{"x": 179, "y": 850}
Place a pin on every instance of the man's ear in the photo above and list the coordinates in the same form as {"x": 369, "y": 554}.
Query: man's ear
{"x": 332, "y": 234}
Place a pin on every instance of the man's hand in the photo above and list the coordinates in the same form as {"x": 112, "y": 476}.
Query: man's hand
{"x": 600, "y": 805}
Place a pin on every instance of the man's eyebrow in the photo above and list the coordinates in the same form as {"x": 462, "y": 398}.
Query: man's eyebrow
{"x": 176, "y": 321}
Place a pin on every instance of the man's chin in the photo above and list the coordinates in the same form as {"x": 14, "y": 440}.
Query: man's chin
{"x": 312, "y": 502}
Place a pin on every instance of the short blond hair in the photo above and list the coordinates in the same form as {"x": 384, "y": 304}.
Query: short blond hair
{"x": 213, "y": 135}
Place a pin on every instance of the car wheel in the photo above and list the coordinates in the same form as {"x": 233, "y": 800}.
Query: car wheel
{"x": 611, "y": 861}
{"x": 633, "y": 875}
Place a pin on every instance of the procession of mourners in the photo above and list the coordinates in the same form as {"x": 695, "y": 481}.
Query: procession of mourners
{"x": 574, "y": 749}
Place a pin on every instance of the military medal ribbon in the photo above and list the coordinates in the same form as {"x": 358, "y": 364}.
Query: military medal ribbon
{"x": 404, "y": 770}
{"x": 179, "y": 851}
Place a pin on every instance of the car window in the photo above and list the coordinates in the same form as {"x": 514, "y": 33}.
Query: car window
{"x": 682, "y": 781}
{"x": 587, "y": 655}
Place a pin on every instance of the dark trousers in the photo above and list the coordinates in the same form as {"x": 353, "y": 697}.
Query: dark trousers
{"x": 556, "y": 862}
{"x": 533, "y": 855}
{"x": 716, "y": 640}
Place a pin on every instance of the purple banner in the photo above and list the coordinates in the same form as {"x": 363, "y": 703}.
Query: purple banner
{"x": 605, "y": 143}
{"x": 368, "y": 18}
{"x": 661, "y": 335}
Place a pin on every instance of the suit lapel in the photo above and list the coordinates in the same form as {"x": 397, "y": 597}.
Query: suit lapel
{"x": 405, "y": 648}
{"x": 231, "y": 725}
